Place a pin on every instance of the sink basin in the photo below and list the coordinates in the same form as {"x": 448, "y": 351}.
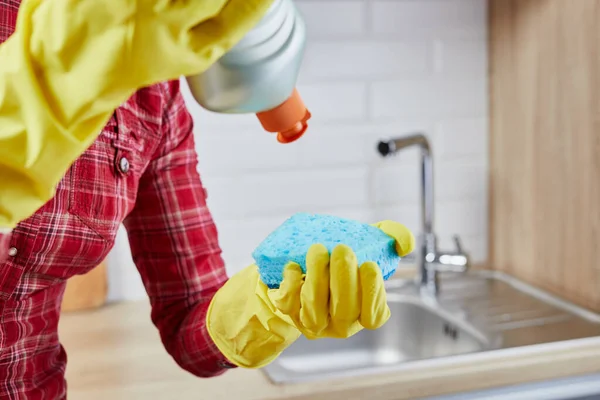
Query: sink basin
{"x": 475, "y": 312}
{"x": 413, "y": 332}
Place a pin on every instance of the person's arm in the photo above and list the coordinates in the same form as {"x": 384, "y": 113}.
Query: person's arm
{"x": 70, "y": 63}
{"x": 174, "y": 244}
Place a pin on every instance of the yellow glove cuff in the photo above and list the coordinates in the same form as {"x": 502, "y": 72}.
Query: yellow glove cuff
{"x": 245, "y": 325}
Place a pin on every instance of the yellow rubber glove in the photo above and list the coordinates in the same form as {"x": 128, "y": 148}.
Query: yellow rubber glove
{"x": 245, "y": 325}
{"x": 338, "y": 298}
{"x": 70, "y": 63}
{"x": 252, "y": 324}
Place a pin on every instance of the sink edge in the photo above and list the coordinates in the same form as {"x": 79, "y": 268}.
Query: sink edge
{"x": 279, "y": 377}
{"x": 540, "y": 294}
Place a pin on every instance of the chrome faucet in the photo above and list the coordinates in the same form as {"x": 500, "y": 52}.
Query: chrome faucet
{"x": 431, "y": 260}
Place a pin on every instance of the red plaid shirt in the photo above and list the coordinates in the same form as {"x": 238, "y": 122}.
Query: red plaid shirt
{"x": 142, "y": 171}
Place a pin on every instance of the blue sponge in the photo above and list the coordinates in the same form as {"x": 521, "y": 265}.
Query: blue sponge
{"x": 292, "y": 239}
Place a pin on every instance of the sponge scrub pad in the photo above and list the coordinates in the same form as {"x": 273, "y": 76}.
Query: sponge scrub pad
{"x": 292, "y": 239}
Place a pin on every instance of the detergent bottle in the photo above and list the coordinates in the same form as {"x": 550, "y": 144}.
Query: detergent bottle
{"x": 259, "y": 75}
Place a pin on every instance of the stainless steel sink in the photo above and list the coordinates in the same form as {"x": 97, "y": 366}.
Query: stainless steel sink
{"x": 413, "y": 332}
{"x": 475, "y": 312}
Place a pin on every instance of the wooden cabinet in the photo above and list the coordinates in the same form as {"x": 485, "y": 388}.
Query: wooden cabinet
{"x": 545, "y": 144}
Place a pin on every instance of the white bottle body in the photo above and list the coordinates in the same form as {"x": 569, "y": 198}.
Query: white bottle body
{"x": 261, "y": 71}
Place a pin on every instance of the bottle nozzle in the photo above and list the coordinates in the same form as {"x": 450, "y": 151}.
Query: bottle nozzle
{"x": 288, "y": 119}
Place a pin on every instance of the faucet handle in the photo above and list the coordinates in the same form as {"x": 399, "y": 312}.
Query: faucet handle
{"x": 456, "y": 261}
{"x": 458, "y": 244}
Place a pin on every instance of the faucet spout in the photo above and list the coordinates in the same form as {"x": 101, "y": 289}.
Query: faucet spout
{"x": 431, "y": 261}
{"x": 392, "y": 146}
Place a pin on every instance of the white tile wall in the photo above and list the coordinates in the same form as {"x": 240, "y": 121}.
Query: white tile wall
{"x": 373, "y": 69}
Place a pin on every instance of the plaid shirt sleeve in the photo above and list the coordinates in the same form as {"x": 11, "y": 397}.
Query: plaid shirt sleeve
{"x": 174, "y": 244}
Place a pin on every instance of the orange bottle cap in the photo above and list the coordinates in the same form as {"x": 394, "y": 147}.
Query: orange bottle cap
{"x": 288, "y": 119}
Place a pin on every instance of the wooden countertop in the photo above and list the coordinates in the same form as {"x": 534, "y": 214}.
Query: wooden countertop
{"x": 115, "y": 353}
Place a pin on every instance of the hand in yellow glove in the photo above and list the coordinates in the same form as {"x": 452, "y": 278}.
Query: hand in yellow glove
{"x": 252, "y": 324}
{"x": 337, "y": 298}
{"x": 70, "y": 63}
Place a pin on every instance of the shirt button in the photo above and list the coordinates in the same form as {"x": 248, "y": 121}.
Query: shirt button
{"x": 124, "y": 165}
{"x": 12, "y": 251}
